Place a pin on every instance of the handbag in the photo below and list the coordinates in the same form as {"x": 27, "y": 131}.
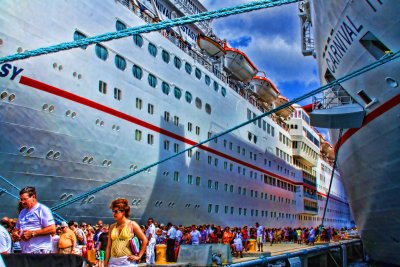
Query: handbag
{"x": 134, "y": 244}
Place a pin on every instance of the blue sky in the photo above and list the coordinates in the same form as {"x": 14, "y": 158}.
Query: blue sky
{"x": 271, "y": 39}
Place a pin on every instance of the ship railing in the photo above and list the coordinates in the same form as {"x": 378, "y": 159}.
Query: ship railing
{"x": 331, "y": 100}
{"x": 310, "y": 195}
{"x": 310, "y": 208}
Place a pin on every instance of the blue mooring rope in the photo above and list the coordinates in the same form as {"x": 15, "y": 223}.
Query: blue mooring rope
{"x": 223, "y": 12}
{"x": 387, "y": 58}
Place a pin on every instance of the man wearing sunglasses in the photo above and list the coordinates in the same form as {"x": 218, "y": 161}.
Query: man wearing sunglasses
{"x": 35, "y": 224}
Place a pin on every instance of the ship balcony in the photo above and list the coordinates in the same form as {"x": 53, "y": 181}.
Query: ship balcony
{"x": 311, "y": 196}
{"x": 309, "y": 179}
{"x": 305, "y": 157}
{"x": 312, "y": 210}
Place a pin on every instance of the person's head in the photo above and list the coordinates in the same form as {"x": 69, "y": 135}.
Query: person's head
{"x": 5, "y": 221}
{"x": 193, "y": 227}
{"x": 169, "y": 225}
{"x": 64, "y": 227}
{"x": 120, "y": 207}
{"x": 71, "y": 225}
{"x": 257, "y": 224}
{"x": 105, "y": 228}
{"x": 27, "y": 197}
{"x": 83, "y": 225}
{"x": 99, "y": 224}
{"x": 149, "y": 221}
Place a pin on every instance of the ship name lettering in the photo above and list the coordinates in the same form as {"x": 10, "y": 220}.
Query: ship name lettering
{"x": 343, "y": 39}
{"x": 7, "y": 68}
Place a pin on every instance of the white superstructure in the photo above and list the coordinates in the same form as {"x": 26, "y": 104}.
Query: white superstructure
{"x": 350, "y": 35}
{"x": 77, "y": 119}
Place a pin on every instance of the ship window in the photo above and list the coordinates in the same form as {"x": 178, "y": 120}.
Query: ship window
{"x": 139, "y": 103}
{"x": 197, "y": 72}
{"x": 223, "y": 91}
{"x": 188, "y": 97}
{"x": 77, "y": 36}
{"x": 138, "y": 40}
{"x": 152, "y": 49}
{"x": 138, "y": 135}
{"x": 150, "y": 109}
{"x": 177, "y": 93}
{"x": 101, "y": 52}
{"x": 102, "y": 87}
{"x": 119, "y": 25}
{"x": 165, "y": 56}
{"x": 216, "y": 86}
{"x": 120, "y": 62}
{"x": 165, "y": 88}
{"x": 207, "y": 80}
{"x": 198, "y": 103}
{"x": 177, "y": 62}
{"x": 150, "y": 139}
{"x": 137, "y": 72}
{"x": 373, "y": 45}
{"x": 188, "y": 68}
{"x": 152, "y": 80}
{"x": 117, "y": 93}
{"x": 197, "y": 181}
{"x": 208, "y": 108}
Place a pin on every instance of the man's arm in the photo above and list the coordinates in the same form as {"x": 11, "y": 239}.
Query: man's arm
{"x": 48, "y": 230}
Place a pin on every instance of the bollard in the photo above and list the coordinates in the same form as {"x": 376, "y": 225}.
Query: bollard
{"x": 252, "y": 245}
{"x": 161, "y": 254}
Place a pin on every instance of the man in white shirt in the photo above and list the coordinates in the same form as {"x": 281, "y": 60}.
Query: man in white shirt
{"x": 151, "y": 236}
{"x": 260, "y": 236}
{"x": 195, "y": 234}
{"x": 171, "y": 235}
{"x": 35, "y": 224}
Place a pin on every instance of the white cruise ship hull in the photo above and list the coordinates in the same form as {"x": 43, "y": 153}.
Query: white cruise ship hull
{"x": 368, "y": 157}
{"x": 65, "y": 132}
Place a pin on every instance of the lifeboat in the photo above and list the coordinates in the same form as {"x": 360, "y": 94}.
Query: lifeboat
{"x": 239, "y": 65}
{"x": 286, "y": 112}
{"x": 265, "y": 89}
{"x": 210, "y": 46}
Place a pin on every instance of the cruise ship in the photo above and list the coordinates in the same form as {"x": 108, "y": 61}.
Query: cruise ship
{"x": 349, "y": 35}
{"x": 78, "y": 119}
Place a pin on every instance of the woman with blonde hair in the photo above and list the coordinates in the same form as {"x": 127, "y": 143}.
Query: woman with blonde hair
{"x": 118, "y": 253}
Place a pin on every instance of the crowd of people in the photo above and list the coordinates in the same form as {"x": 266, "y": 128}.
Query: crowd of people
{"x": 35, "y": 231}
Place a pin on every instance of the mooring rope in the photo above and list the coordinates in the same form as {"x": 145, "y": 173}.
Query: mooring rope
{"x": 387, "y": 58}
{"x": 333, "y": 172}
{"x": 223, "y": 12}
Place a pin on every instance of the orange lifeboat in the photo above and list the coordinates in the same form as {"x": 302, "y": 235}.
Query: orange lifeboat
{"x": 239, "y": 65}
{"x": 210, "y": 46}
{"x": 265, "y": 89}
{"x": 286, "y": 112}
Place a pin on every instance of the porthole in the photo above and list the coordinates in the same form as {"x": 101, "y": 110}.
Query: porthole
{"x": 207, "y": 80}
{"x": 11, "y": 98}
{"x": 137, "y": 72}
{"x": 101, "y": 52}
{"x": 223, "y": 91}
{"x": 85, "y": 159}
{"x": 391, "y": 82}
{"x": 152, "y": 80}
{"x": 50, "y": 154}
{"x": 45, "y": 107}
{"x": 113, "y": 127}
{"x": 120, "y": 62}
{"x": 60, "y": 68}
{"x": 177, "y": 93}
{"x": 198, "y": 103}
{"x": 68, "y": 113}
{"x": 177, "y": 62}
{"x": 22, "y": 149}
{"x": 30, "y": 150}
{"x": 20, "y": 49}
{"x": 131, "y": 167}
{"x": 77, "y": 36}
{"x": 90, "y": 160}
{"x": 119, "y": 25}
{"x": 165, "y": 88}
{"x": 117, "y": 128}
{"x": 138, "y": 202}
{"x": 152, "y": 49}
{"x": 138, "y": 40}
{"x": 55, "y": 65}
{"x": 97, "y": 122}
{"x": 79, "y": 76}
{"x": 216, "y": 86}
{"x": 208, "y": 108}
{"x": 3, "y": 95}
{"x": 188, "y": 97}
{"x": 105, "y": 162}
{"x": 197, "y": 73}
{"x": 51, "y": 108}
{"x": 74, "y": 74}
{"x": 109, "y": 163}
{"x": 102, "y": 123}
{"x": 73, "y": 115}
{"x": 165, "y": 56}
{"x": 56, "y": 155}
{"x": 63, "y": 196}
{"x": 188, "y": 68}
